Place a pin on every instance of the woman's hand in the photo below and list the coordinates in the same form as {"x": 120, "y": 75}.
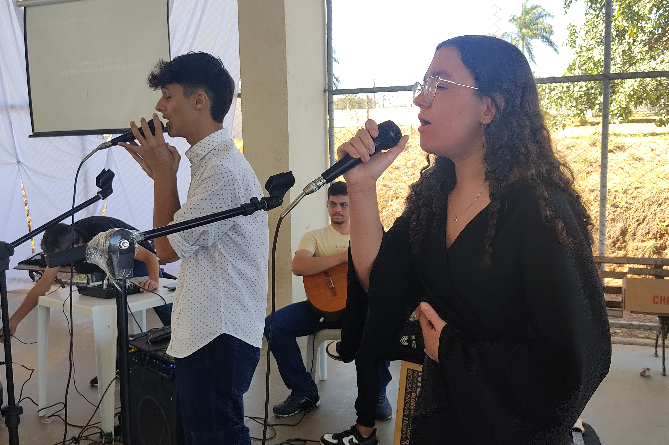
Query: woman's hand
{"x": 432, "y": 325}
{"x": 361, "y": 146}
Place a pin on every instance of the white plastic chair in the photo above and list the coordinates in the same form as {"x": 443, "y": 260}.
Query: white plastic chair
{"x": 318, "y": 342}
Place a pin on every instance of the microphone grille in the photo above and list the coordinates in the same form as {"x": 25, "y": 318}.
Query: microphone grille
{"x": 389, "y": 135}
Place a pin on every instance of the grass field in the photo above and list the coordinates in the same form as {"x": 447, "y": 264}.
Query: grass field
{"x": 637, "y": 210}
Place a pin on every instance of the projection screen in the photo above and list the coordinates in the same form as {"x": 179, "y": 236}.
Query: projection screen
{"x": 87, "y": 62}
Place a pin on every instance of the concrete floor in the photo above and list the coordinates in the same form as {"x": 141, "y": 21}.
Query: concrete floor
{"x": 627, "y": 409}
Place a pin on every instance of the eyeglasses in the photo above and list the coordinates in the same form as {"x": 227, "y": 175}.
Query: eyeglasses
{"x": 429, "y": 87}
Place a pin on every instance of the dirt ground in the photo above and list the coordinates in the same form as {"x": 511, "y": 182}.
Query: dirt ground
{"x": 647, "y": 336}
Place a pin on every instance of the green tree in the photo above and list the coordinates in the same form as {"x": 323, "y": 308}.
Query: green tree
{"x": 531, "y": 25}
{"x": 639, "y": 43}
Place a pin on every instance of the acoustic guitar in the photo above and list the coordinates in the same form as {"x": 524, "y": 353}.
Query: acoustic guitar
{"x": 326, "y": 291}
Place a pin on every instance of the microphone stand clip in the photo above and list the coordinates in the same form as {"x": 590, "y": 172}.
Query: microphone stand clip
{"x": 104, "y": 183}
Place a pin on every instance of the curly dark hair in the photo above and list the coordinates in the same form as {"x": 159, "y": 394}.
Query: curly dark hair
{"x": 518, "y": 143}
{"x": 197, "y": 71}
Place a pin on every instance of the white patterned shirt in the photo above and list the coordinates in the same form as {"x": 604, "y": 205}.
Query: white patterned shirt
{"x": 222, "y": 286}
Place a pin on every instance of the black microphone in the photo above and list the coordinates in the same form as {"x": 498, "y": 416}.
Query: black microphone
{"x": 128, "y": 136}
{"x": 389, "y": 136}
{"x": 125, "y": 137}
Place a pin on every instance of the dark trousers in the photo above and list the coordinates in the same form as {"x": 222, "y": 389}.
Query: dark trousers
{"x": 211, "y": 383}
{"x": 373, "y": 376}
{"x": 300, "y": 319}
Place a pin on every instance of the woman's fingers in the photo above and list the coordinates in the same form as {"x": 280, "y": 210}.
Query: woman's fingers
{"x": 432, "y": 316}
{"x": 431, "y": 325}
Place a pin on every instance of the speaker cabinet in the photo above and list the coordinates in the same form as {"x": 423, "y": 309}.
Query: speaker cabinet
{"x": 152, "y": 406}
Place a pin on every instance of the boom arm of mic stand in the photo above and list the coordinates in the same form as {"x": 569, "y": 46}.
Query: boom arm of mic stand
{"x": 277, "y": 186}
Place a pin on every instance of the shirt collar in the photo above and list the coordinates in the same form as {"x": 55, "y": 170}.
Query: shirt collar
{"x": 198, "y": 151}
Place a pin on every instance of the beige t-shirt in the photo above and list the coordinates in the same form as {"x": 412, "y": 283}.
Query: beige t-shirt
{"x": 324, "y": 242}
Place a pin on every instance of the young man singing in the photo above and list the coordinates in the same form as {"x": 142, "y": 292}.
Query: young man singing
{"x": 221, "y": 295}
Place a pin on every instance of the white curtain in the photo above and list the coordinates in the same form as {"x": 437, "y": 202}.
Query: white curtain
{"x": 46, "y": 166}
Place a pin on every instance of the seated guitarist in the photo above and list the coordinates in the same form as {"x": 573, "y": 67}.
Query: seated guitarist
{"x": 320, "y": 250}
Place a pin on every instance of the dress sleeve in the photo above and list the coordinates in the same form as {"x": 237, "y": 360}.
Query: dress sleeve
{"x": 373, "y": 320}
{"x": 535, "y": 385}
{"x": 566, "y": 307}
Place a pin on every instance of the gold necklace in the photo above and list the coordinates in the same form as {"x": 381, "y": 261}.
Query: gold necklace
{"x": 477, "y": 197}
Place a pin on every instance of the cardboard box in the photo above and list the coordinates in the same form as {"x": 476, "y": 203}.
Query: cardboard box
{"x": 646, "y": 295}
{"x": 409, "y": 386}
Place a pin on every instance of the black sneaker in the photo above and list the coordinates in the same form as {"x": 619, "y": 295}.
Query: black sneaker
{"x": 350, "y": 437}
{"x": 294, "y": 404}
{"x": 383, "y": 410}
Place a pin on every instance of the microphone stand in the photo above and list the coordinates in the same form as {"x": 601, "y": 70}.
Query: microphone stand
{"x": 12, "y": 411}
{"x": 120, "y": 256}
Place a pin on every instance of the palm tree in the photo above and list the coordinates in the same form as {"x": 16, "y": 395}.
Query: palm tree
{"x": 531, "y": 25}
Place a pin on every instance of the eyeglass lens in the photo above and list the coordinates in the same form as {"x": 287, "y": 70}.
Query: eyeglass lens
{"x": 428, "y": 88}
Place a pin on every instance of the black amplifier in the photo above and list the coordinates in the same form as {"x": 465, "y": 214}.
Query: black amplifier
{"x": 152, "y": 389}
{"x": 148, "y": 349}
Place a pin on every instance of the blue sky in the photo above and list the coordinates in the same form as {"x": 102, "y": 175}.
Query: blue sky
{"x": 391, "y": 42}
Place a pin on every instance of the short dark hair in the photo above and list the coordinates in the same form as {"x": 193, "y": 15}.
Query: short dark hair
{"x": 197, "y": 71}
{"x": 337, "y": 189}
{"x": 59, "y": 237}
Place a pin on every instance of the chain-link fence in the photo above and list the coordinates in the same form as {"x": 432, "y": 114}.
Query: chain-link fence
{"x": 637, "y": 210}
{"x": 634, "y": 188}
{"x": 350, "y": 113}
{"x": 637, "y": 179}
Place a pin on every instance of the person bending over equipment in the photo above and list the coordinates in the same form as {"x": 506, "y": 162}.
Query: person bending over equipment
{"x": 59, "y": 237}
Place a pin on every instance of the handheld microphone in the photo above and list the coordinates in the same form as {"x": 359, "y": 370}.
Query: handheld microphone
{"x": 389, "y": 136}
{"x": 128, "y": 136}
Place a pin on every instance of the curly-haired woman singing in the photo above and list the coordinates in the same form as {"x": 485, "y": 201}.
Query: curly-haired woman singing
{"x": 493, "y": 252}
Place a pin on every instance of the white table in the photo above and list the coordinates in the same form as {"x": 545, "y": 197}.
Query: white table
{"x": 103, "y": 312}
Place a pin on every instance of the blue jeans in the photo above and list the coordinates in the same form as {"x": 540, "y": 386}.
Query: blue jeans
{"x": 300, "y": 319}
{"x": 211, "y": 383}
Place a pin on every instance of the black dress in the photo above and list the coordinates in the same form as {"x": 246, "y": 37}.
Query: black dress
{"x": 526, "y": 341}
